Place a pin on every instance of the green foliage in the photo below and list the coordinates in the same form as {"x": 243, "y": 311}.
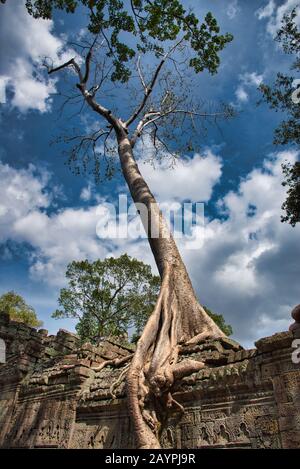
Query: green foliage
{"x": 13, "y": 304}
{"x": 150, "y": 22}
{"x": 220, "y": 321}
{"x": 107, "y": 297}
{"x": 292, "y": 203}
{"x": 289, "y": 34}
{"x": 279, "y": 98}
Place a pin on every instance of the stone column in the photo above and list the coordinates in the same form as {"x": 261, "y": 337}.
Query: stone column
{"x": 295, "y": 327}
{"x": 287, "y": 391}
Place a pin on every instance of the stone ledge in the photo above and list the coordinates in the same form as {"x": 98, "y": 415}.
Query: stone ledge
{"x": 274, "y": 342}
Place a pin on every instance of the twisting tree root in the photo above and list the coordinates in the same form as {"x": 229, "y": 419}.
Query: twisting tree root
{"x": 114, "y": 362}
{"x": 155, "y": 367}
{"x": 118, "y": 381}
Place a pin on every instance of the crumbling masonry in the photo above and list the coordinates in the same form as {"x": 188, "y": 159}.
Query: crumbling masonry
{"x": 51, "y": 397}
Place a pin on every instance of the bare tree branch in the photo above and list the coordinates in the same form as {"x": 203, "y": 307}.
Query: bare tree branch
{"x": 88, "y": 64}
{"x": 70, "y": 62}
{"x": 148, "y": 89}
{"x": 89, "y": 97}
{"x": 154, "y": 116}
{"x": 117, "y": 291}
{"x": 138, "y": 64}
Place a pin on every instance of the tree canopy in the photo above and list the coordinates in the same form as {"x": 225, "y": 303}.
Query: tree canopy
{"x": 122, "y": 40}
{"x": 18, "y": 310}
{"x": 151, "y": 22}
{"x": 292, "y": 202}
{"x": 283, "y": 96}
{"x": 108, "y": 297}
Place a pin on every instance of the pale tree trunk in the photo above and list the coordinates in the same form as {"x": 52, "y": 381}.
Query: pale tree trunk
{"x": 177, "y": 318}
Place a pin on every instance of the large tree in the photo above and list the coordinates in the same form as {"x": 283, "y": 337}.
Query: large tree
{"x": 174, "y": 43}
{"x": 283, "y": 96}
{"x": 108, "y": 297}
{"x": 18, "y": 310}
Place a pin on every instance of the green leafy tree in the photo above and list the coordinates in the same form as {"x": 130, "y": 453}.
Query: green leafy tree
{"x": 149, "y": 49}
{"x": 150, "y": 22}
{"x": 108, "y": 297}
{"x": 283, "y": 96}
{"x": 292, "y": 203}
{"x": 18, "y": 310}
{"x": 220, "y": 321}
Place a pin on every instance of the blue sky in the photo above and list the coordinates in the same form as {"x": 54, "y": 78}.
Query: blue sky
{"x": 248, "y": 263}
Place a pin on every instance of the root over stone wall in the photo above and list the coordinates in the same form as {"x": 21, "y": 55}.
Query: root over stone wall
{"x": 54, "y": 393}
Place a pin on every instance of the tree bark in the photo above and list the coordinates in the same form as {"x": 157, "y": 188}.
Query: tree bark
{"x": 177, "y": 318}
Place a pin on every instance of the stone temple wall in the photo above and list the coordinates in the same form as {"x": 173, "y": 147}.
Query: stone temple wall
{"x": 50, "y": 397}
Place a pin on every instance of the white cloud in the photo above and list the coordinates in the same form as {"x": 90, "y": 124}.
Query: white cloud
{"x": 250, "y": 258}
{"x": 241, "y": 94}
{"x": 22, "y": 191}
{"x": 247, "y": 80}
{"x": 246, "y": 265}
{"x": 192, "y": 178}
{"x": 86, "y": 193}
{"x": 58, "y": 239}
{"x": 232, "y": 9}
{"x": 274, "y": 14}
{"x": 4, "y": 80}
{"x": 251, "y": 78}
{"x": 27, "y": 42}
{"x": 71, "y": 233}
{"x": 266, "y": 11}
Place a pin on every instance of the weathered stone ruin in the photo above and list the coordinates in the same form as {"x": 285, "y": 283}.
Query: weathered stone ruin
{"x": 50, "y": 396}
